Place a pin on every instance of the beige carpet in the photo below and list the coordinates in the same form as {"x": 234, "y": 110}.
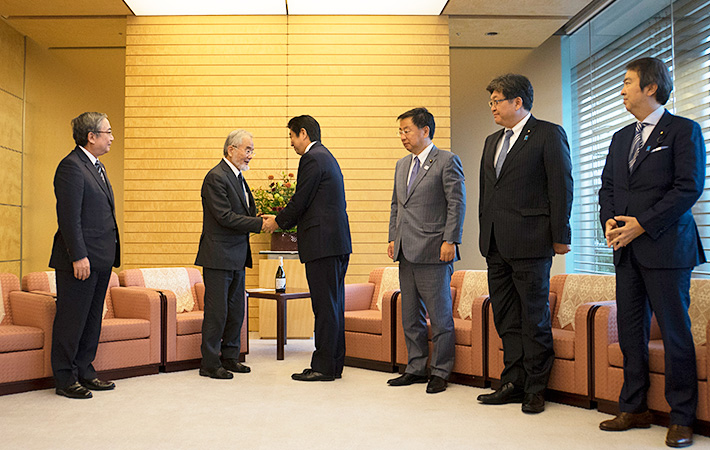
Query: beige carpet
{"x": 267, "y": 410}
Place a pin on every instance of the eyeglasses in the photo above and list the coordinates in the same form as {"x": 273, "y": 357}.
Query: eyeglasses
{"x": 495, "y": 102}
{"x": 107, "y": 132}
{"x": 404, "y": 132}
{"x": 249, "y": 151}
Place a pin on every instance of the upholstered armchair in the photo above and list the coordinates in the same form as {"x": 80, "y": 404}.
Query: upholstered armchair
{"x": 129, "y": 344}
{"x": 574, "y": 298}
{"x": 25, "y": 337}
{"x": 468, "y": 290}
{"x": 369, "y": 326}
{"x": 608, "y": 359}
{"x": 183, "y": 293}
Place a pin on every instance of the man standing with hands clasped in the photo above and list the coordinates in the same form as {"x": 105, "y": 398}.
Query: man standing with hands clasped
{"x": 426, "y": 225}
{"x": 654, "y": 174}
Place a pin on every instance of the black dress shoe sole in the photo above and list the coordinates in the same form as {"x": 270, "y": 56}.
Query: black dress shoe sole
{"x": 435, "y": 390}
{"x": 411, "y": 381}
{"x": 505, "y": 401}
{"x": 299, "y": 377}
{"x": 527, "y": 409}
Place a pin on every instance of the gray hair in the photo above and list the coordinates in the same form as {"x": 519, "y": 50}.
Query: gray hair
{"x": 235, "y": 139}
{"x": 84, "y": 124}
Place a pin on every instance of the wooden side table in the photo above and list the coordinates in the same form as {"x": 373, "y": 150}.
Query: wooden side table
{"x": 281, "y": 299}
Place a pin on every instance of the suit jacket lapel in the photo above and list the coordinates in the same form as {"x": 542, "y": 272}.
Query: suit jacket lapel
{"x": 514, "y": 151}
{"x": 659, "y": 133}
{"x": 235, "y": 183}
{"x": 95, "y": 174}
{"x": 491, "y": 151}
{"x": 430, "y": 160}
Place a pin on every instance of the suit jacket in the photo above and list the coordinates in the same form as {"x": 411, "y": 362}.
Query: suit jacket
{"x": 667, "y": 180}
{"x": 226, "y": 221}
{"x": 318, "y": 207}
{"x": 85, "y": 214}
{"x": 432, "y": 212}
{"x": 530, "y": 203}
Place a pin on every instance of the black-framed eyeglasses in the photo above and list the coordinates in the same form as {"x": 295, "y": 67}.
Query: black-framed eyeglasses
{"x": 107, "y": 132}
{"x": 495, "y": 102}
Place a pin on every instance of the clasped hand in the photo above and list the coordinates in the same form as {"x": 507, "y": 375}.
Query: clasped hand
{"x": 618, "y": 237}
{"x": 268, "y": 223}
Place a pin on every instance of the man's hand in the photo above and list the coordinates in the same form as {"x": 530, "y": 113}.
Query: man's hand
{"x": 390, "y": 249}
{"x": 560, "y": 249}
{"x": 264, "y": 218}
{"x": 618, "y": 237}
{"x": 269, "y": 224}
{"x": 448, "y": 251}
{"x": 82, "y": 269}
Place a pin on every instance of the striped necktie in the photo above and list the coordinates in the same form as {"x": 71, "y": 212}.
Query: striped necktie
{"x": 503, "y": 152}
{"x": 636, "y": 145}
{"x": 413, "y": 176}
{"x": 100, "y": 168}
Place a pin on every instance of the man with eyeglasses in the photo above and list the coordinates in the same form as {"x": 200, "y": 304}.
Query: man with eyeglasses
{"x": 524, "y": 209}
{"x": 425, "y": 230}
{"x": 654, "y": 174}
{"x": 228, "y": 216}
{"x": 85, "y": 248}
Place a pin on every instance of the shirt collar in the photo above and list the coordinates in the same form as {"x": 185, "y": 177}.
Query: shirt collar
{"x": 518, "y": 127}
{"x": 309, "y": 147}
{"x": 236, "y": 171}
{"x": 424, "y": 154}
{"x": 92, "y": 158}
{"x": 655, "y": 116}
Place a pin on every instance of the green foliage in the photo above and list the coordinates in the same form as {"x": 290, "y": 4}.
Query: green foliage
{"x": 275, "y": 196}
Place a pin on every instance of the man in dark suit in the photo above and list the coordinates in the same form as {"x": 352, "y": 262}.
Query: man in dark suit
{"x": 654, "y": 174}
{"x": 85, "y": 248}
{"x": 228, "y": 216}
{"x": 318, "y": 208}
{"x": 425, "y": 230}
{"x": 524, "y": 210}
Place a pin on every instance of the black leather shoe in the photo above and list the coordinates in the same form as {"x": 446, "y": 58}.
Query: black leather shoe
{"x": 219, "y": 373}
{"x": 74, "y": 391}
{"x": 626, "y": 421}
{"x": 311, "y": 375}
{"x": 436, "y": 385}
{"x": 407, "y": 379}
{"x": 97, "y": 385}
{"x": 235, "y": 366}
{"x": 679, "y": 436}
{"x": 533, "y": 403}
{"x": 507, "y": 393}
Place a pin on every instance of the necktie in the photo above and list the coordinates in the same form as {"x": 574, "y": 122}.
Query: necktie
{"x": 413, "y": 176}
{"x": 244, "y": 188}
{"x": 100, "y": 168}
{"x": 636, "y": 145}
{"x": 503, "y": 152}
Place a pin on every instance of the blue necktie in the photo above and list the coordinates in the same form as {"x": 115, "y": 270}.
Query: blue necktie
{"x": 503, "y": 152}
{"x": 101, "y": 170}
{"x": 636, "y": 145}
{"x": 413, "y": 176}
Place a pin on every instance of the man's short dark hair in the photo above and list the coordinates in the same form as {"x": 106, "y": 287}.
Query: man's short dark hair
{"x": 653, "y": 71}
{"x": 84, "y": 124}
{"x": 512, "y": 85}
{"x": 307, "y": 123}
{"x": 421, "y": 117}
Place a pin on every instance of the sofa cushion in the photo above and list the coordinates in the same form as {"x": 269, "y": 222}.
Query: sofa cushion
{"x": 189, "y": 322}
{"x": 563, "y": 343}
{"x": 124, "y": 329}
{"x": 364, "y": 321}
{"x": 15, "y": 338}
{"x": 656, "y": 358}
{"x": 462, "y": 331}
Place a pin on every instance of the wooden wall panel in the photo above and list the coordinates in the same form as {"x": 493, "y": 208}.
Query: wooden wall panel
{"x": 191, "y": 80}
{"x": 12, "y": 73}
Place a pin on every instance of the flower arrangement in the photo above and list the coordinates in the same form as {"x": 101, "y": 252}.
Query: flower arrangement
{"x": 273, "y": 198}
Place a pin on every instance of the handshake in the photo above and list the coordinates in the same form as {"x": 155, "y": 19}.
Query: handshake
{"x": 268, "y": 223}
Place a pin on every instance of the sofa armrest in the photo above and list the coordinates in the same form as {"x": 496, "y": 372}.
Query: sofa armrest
{"x": 200, "y": 294}
{"x": 140, "y": 303}
{"x": 358, "y": 296}
{"x": 36, "y": 310}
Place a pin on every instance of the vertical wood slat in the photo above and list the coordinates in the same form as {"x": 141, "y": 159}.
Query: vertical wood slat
{"x": 191, "y": 80}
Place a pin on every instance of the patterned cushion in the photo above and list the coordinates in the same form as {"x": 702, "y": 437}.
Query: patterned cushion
{"x": 563, "y": 343}
{"x": 124, "y": 329}
{"x": 462, "y": 331}
{"x": 8, "y": 283}
{"x": 583, "y": 289}
{"x": 475, "y": 284}
{"x": 175, "y": 279}
{"x": 656, "y": 358}
{"x": 189, "y": 322}
{"x": 14, "y": 338}
{"x": 699, "y": 310}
